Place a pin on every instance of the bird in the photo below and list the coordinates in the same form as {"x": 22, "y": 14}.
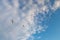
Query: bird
{"x": 12, "y": 21}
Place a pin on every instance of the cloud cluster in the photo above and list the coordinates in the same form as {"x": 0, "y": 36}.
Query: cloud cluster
{"x": 56, "y": 5}
{"x": 20, "y": 20}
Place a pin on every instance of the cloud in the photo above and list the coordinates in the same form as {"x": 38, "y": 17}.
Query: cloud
{"x": 56, "y": 5}
{"x": 21, "y": 27}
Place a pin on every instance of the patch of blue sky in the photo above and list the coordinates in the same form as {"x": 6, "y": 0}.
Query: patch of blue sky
{"x": 52, "y": 2}
{"x": 50, "y": 14}
{"x": 53, "y": 30}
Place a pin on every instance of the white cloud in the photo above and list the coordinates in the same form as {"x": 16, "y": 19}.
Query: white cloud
{"x": 56, "y": 5}
{"x": 22, "y": 28}
{"x": 15, "y": 2}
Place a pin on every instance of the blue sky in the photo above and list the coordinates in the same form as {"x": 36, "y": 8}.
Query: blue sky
{"x": 53, "y": 30}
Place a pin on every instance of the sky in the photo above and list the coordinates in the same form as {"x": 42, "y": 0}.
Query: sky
{"x": 29, "y": 19}
{"x": 53, "y": 30}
